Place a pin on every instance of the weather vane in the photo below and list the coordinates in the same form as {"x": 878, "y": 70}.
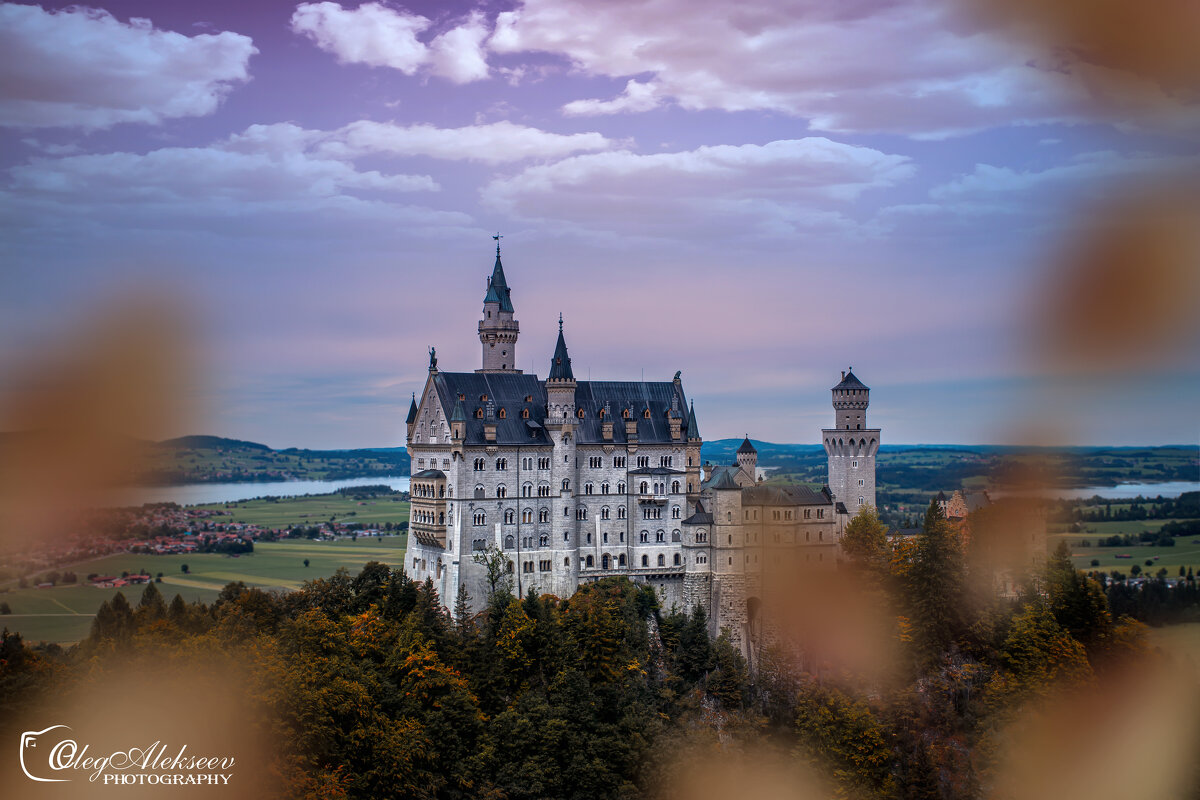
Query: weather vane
{"x": 497, "y": 237}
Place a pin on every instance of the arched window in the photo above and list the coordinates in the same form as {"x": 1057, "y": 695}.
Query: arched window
{"x": 644, "y": 536}
{"x": 644, "y": 487}
{"x": 675, "y": 536}
{"x": 604, "y": 561}
{"x": 620, "y": 487}
{"x": 604, "y": 488}
{"x": 509, "y": 542}
{"x": 621, "y": 512}
{"x": 604, "y": 513}
{"x": 646, "y": 414}
{"x": 544, "y": 515}
{"x": 442, "y": 518}
{"x": 675, "y": 512}
{"x": 566, "y": 484}
{"x": 662, "y": 560}
{"x": 589, "y": 561}
{"x": 479, "y": 464}
{"x": 621, "y": 560}
{"x": 524, "y": 413}
{"x": 527, "y": 490}
{"x": 501, "y": 463}
{"x": 510, "y": 568}
{"x": 677, "y": 559}
{"x": 479, "y": 413}
{"x": 509, "y": 516}
{"x": 543, "y": 540}
{"x": 479, "y": 518}
{"x": 675, "y": 487}
{"x": 645, "y": 561}
{"x": 502, "y": 491}
{"x": 587, "y": 488}
{"x": 579, "y": 413}
{"x": 480, "y": 491}
{"x": 660, "y": 536}
{"x": 625, "y": 414}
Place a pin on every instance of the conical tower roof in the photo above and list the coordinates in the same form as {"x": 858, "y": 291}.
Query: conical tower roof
{"x": 412, "y": 410}
{"x": 693, "y": 427}
{"x": 560, "y": 364}
{"x": 850, "y": 381}
{"x": 746, "y": 447}
{"x": 498, "y": 291}
{"x": 459, "y": 414}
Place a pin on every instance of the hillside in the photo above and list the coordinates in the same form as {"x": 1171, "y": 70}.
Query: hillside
{"x": 213, "y": 459}
{"x": 907, "y": 471}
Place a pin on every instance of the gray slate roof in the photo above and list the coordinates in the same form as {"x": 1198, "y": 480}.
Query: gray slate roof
{"x": 769, "y": 494}
{"x": 498, "y": 291}
{"x": 509, "y": 389}
{"x": 851, "y": 382}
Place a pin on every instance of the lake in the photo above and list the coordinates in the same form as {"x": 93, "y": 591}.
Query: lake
{"x": 190, "y": 494}
{"x": 1122, "y": 491}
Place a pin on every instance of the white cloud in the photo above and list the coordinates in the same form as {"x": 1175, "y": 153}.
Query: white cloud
{"x": 379, "y": 36}
{"x": 771, "y": 189}
{"x": 492, "y": 143}
{"x": 82, "y": 67}
{"x": 266, "y": 172}
{"x": 865, "y": 65}
{"x": 636, "y": 97}
{"x": 458, "y": 54}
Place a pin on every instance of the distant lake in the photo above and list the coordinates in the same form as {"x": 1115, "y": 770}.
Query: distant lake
{"x": 190, "y": 494}
{"x": 1122, "y": 491}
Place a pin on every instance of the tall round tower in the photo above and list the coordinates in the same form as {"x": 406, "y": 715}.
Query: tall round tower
{"x": 851, "y": 446}
{"x": 498, "y": 330}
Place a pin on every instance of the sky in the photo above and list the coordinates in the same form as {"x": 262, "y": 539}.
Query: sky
{"x": 759, "y": 194}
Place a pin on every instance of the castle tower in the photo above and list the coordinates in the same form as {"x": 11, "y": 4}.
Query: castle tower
{"x": 747, "y": 458}
{"x": 851, "y": 446}
{"x": 498, "y": 330}
{"x": 693, "y": 457}
{"x": 560, "y": 424}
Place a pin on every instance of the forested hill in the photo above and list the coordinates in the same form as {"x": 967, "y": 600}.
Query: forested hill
{"x": 213, "y": 459}
{"x": 931, "y": 468}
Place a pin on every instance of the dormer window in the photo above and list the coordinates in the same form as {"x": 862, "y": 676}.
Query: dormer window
{"x": 602, "y": 413}
{"x": 579, "y": 413}
{"x": 525, "y": 413}
{"x": 483, "y": 398}
{"x": 528, "y": 398}
{"x": 503, "y": 414}
{"x": 646, "y": 413}
{"x": 479, "y": 413}
{"x": 625, "y": 414}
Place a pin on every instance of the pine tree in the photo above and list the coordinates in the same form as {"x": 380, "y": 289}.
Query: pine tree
{"x": 936, "y": 583}
{"x": 865, "y": 540}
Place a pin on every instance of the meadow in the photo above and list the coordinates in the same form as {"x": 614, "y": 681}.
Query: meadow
{"x": 315, "y": 510}
{"x": 64, "y": 613}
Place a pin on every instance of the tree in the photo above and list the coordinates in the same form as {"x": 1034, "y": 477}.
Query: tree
{"x": 935, "y": 584}
{"x": 865, "y": 539}
{"x": 183, "y": 568}
{"x": 495, "y": 565}
{"x": 843, "y": 737}
{"x": 1076, "y": 601}
{"x": 306, "y": 562}
{"x": 152, "y": 602}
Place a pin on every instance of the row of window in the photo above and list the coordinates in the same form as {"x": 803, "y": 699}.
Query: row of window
{"x": 752, "y": 514}
{"x": 543, "y": 490}
{"x": 594, "y": 462}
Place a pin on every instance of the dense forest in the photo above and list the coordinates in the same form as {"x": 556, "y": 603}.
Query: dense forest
{"x": 369, "y": 688}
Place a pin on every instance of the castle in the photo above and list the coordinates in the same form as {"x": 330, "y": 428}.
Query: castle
{"x": 575, "y": 480}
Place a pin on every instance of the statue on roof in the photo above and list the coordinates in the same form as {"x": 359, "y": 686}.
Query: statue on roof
{"x": 433, "y": 358}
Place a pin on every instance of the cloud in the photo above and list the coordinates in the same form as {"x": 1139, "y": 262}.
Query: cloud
{"x": 636, "y": 97}
{"x": 772, "y": 189}
{"x": 492, "y": 143}
{"x": 265, "y": 172}
{"x": 865, "y": 65}
{"x": 379, "y": 36}
{"x": 82, "y": 67}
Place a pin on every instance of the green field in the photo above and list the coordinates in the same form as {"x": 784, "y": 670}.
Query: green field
{"x": 1183, "y": 553}
{"x": 64, "y": 613}
{"x": 316, "y": 510}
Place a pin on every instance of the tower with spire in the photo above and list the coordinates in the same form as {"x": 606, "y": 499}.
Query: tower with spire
{"x": 498, "y": 330}
{"x": 851, "y": 445}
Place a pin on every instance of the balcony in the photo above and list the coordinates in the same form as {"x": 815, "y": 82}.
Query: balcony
{"x": 660, "y": 499}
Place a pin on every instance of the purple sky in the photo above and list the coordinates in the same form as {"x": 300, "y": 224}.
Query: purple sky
{"x": 755, "y": 193}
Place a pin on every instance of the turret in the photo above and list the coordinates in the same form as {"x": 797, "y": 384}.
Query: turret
{"x": 498, "y": 330}
{"x": 851, "y": 446}
{"x": 747, "y": 458}
{"x": 694, "y": 443}
{"x": 412, "y": 416}
{"x": 850, "y": 400}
